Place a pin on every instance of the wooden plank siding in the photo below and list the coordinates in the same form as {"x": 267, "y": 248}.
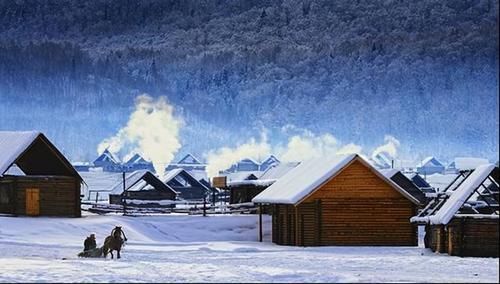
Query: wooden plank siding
{"x": 284, "y": 222}
{"x": 59, "y": 196}
{"x": 356, "y": 207}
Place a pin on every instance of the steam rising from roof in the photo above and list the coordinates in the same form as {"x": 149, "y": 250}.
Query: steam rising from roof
{"x": 152, "y": 131}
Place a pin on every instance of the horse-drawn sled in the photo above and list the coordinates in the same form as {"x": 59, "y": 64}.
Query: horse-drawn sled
{"x": 111, "y": 243}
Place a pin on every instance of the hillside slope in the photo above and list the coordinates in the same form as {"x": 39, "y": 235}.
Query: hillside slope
{"x": 358, "y": 70}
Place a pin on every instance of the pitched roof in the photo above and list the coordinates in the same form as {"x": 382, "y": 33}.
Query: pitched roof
{"x": 130, "y": 180}
{"x": 389, "y": 173}
{"x": 277, "y": 171}
{"x": 271, "y": 160}
{"x": 33, "y": 153}
{"x": 189, "y": 159}
{"x": 107, "y": 156}
{"x": 138, "y": 180}
{"x": 136, "y": 159}
{"x": 405, "y": 183}
{"x": 171, "y": 175}
{"x": 430, "y": 161}
{"x": 310, "y": 175}
{"x": 458, "y": 197}
{"x": 12, "y": 145}
{"x": 418, "y": 180}
{"x": 101, "y": 181}
{"x": 451, "y": 165}
{"x": 461, "y": 194}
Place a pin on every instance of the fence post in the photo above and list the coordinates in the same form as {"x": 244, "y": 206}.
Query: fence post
{"x": 124, "y": 194}
{"x": 204, "y": 206}
{"x": 260, "y": 222}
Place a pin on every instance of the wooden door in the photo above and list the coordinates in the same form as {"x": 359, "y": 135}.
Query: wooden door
{"x": 32, "y": 201}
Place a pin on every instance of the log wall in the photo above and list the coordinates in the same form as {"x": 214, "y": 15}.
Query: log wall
{"x": 59, "y": 196}
{"x": 437, "y": 238}
{"x": 466, "y": 237}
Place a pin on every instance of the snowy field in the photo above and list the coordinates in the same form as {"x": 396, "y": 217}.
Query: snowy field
{"x": 210, "y": 249}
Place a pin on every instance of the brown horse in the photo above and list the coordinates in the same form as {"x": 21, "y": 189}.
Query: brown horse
{"x": 114, "y": 242}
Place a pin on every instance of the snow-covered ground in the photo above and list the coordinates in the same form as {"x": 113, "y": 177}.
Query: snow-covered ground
{"x": 210, "y": 249}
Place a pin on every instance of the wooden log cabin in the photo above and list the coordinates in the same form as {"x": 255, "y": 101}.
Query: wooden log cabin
{"x": 463, "y": 219}
{"x": 341, "y": 201}
{"x": 244, "y": 186}
{"x": 241, "y": 186}
{"x": 35, "y": 178}
{"x": 241, "y": 192}
{"x": 141, "y": 188}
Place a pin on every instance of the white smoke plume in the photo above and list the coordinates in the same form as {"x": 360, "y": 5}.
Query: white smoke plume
{"x": 390, "y": 147}
{"x": 225, "y": 157}
{"x": 301, "y": 147}
{"x": 151, "y": 131}
{"x": 307, "y": 146}
{"x": 350, "y": 148}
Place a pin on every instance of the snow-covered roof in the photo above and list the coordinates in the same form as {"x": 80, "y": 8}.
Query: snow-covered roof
{"x": 430, "y": 162}
{"x": 141, "y": 180}
{"x": 130, "y": 180}
{"x": 276, "y": 172}
{"x": 271, "y": 158}
{"x": 34, "y": 154}
{"x": 469, "y": 163}
{"x": 451, "y": 165}
{"x": 107, "y": 156}
{"x": 12, "y": 145}
{"x": 460, "y": 195}
{"x": 256, "y": 182}
{"x": 248, "y": 161}
{"x": 389, "y": 173}
{"x": 101, "y": 181}
{"x": 172, "y": 174}
{"x": 14, "y": 170}
{"x": 310, "y": 175}
{"x": 243, "y": 175}
{"x": 137, "y": 159}
{"x": 189, "y": 159}
{"x": 198, "y": 174}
